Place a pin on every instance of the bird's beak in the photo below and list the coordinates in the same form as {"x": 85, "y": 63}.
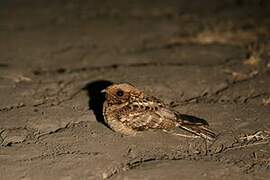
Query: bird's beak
{"x": 103, "y": 91}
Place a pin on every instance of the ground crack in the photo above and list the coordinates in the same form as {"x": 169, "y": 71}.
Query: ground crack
{"x": 12, "y": 107}
{"x": 56, "y": 154}
{"x": 112, "y": 67}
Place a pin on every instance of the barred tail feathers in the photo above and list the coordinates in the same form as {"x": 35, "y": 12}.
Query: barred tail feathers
{"x": 195, "y": 126}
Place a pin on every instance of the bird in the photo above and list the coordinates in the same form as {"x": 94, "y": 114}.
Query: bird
{"x": 128, "y": 110}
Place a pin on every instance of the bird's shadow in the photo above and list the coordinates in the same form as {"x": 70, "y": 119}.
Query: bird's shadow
{"x": 96, "y": 98}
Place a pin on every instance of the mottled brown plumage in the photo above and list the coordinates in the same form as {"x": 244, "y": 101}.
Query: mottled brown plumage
{"x": 128, "y": 110}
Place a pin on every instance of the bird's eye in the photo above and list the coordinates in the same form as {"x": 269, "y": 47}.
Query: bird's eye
{"x": 120, "y": 93}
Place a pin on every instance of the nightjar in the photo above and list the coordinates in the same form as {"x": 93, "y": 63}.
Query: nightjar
{"x": 127, "y": 110}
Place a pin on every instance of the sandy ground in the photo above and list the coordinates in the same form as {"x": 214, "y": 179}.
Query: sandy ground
{"x": 209, "y": 59}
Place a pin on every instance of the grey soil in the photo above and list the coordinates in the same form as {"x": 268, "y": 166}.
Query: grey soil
{"x": 208, "y": 60}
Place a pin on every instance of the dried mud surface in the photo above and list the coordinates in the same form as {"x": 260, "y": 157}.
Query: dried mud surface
{"x": 209, "y": 60}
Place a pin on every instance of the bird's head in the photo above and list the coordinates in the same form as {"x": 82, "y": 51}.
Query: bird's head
{"x": 121, "y": 93}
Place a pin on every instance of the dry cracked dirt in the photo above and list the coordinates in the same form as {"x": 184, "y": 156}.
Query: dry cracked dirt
{"x": 209, "y": 59}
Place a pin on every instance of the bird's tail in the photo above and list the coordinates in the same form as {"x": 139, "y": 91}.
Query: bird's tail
{"x": 195, "y": 126}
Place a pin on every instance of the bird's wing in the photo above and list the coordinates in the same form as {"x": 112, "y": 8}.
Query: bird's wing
{"x": 195, "y": 125}
{"x": 146, "y": 116}
{"x": 191, "y": 120}
{"x": 142, "y": 120}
